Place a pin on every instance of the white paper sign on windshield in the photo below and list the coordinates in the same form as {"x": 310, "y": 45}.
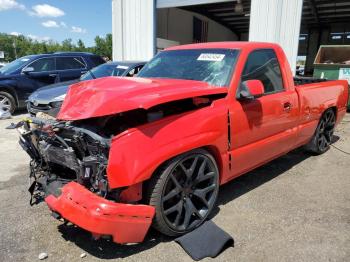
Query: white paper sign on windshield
{"x": 122, "y": 67}
{"x": 211, "y": 57}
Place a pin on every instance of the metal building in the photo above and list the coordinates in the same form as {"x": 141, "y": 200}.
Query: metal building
{"x": 141, "y": 27}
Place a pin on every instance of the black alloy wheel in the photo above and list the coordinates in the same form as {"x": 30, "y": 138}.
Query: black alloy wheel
{"x": 185, "y": 192}
{"x": 322, "y": 139}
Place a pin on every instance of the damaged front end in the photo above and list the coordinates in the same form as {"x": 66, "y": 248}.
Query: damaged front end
{"x": 61, "y": 153}
{"x": 68, "y": 168}
{"x": 110, "y": 137}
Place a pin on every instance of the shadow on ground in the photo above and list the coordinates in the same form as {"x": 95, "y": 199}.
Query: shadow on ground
{"x": 259, "y": 176}
{"x": 107, "y": 249}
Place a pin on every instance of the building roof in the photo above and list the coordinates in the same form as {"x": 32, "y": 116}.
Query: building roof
{"x": 225, "y": 45}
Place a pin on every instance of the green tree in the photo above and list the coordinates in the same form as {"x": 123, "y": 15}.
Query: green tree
{"x": 80, "y": 46}
{"x": 67, "y": 45}
{"x": 27, "y": 46}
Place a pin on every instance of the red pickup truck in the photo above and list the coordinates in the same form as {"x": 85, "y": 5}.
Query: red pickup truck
{"x": 126, "y": 152}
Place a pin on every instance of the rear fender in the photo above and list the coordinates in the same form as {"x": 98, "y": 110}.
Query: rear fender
{"x": 137, "y": 153}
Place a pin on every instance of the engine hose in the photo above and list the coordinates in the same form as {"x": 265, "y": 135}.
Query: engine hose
{"x": 62, "y": 141}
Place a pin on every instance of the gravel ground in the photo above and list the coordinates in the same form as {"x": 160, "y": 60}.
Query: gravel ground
{"x": 296, "y": 208}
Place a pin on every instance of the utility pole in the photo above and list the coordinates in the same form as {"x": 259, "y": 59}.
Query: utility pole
{"x": 14, "y": 46}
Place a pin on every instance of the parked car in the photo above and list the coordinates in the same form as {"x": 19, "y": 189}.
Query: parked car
{"x": 126, "y": 152}
{"x": 23, "y": 76}
{"x": 49, "y": 99}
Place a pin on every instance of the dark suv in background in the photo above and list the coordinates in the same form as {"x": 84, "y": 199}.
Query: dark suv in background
{"x": 23, "y": 76}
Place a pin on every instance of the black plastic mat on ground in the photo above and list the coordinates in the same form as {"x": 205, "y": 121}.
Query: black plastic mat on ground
{"x": 208, "y": 240}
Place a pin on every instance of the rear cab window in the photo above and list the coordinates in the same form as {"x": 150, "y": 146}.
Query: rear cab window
{"x": 263, "y": 65}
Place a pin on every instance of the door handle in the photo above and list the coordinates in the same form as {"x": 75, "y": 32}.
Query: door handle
{"x": 52, "y": 75}
{"x": 287, "y": 106}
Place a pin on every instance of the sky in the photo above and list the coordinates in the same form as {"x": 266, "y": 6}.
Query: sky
{"x": 57, "y": 19}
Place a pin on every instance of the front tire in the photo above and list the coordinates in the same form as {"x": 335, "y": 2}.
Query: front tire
{"x": 184, "y": 192}
{"x": 323, "y": 136}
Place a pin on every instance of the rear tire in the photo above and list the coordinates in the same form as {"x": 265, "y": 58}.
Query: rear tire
{"x": 184, "y": 191}
{"x": 322, "y": 138}
{"x": 7, "y": 102}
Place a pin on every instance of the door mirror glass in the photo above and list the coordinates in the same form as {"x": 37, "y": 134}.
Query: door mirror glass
{"x": 251, "y": 89}
{"x": 28, "y": 69}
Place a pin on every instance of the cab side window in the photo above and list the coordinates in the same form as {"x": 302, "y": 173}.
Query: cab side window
{"x": 263, "y": 65}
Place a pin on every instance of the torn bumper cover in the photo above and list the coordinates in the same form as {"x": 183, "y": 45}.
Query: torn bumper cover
{"x": 126, "y": 223}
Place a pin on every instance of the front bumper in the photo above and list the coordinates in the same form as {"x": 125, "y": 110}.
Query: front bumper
{"x": 44, "y": 108}
{"x": 124, "y": 222}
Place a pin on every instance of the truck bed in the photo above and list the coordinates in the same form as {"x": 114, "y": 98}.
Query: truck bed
{"x": 302, "y": 80}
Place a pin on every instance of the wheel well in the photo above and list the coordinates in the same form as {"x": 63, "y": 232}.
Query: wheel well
{"x": 335, "y": 110}
{"x": 11, "y": 92}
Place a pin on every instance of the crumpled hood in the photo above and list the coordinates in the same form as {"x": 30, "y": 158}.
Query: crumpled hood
{"x": 112, "y": 95}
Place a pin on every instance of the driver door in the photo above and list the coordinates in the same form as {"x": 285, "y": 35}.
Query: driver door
{"x": 262, "y": 128}
{"x": 43, "y": 73}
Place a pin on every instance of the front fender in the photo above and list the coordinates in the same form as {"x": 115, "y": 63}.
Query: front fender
{"x": 137, "y": 153}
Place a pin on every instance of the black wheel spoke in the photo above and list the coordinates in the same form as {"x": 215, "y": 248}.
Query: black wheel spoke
{"x": 190, "y": 210}
{"x": 172, "y": 209}
{"x": 322, "y": 126}
{"x": 179, "y": 213}
{"x": 328, "y": 135}
{"x": 204, "y": 177}
{"x": 177, "y": 184}
{"x": 189, "y": 172}
{"x": 176, "y": 191}
{"x": 201, "y": 193}
{"x": 202, "y": 168}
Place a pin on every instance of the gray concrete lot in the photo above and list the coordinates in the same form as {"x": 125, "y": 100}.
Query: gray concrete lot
{"x": 296, "y": 208}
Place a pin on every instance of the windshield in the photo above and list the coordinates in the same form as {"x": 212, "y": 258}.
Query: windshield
{"x": 213, "y": 66}
{"x": 14, "y": 65}
{"x": 104, "y": 70}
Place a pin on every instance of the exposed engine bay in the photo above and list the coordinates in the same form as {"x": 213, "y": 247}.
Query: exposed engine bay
{"x": 62, "y": 152}
{"x": 65, "y": 151}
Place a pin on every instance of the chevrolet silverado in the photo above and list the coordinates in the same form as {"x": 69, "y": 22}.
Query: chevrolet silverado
{"x": 125, "y": 153}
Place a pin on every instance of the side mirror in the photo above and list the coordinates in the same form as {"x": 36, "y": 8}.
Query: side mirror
{"x": 251, "y": 89}
{"x": 27, "y": 70}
